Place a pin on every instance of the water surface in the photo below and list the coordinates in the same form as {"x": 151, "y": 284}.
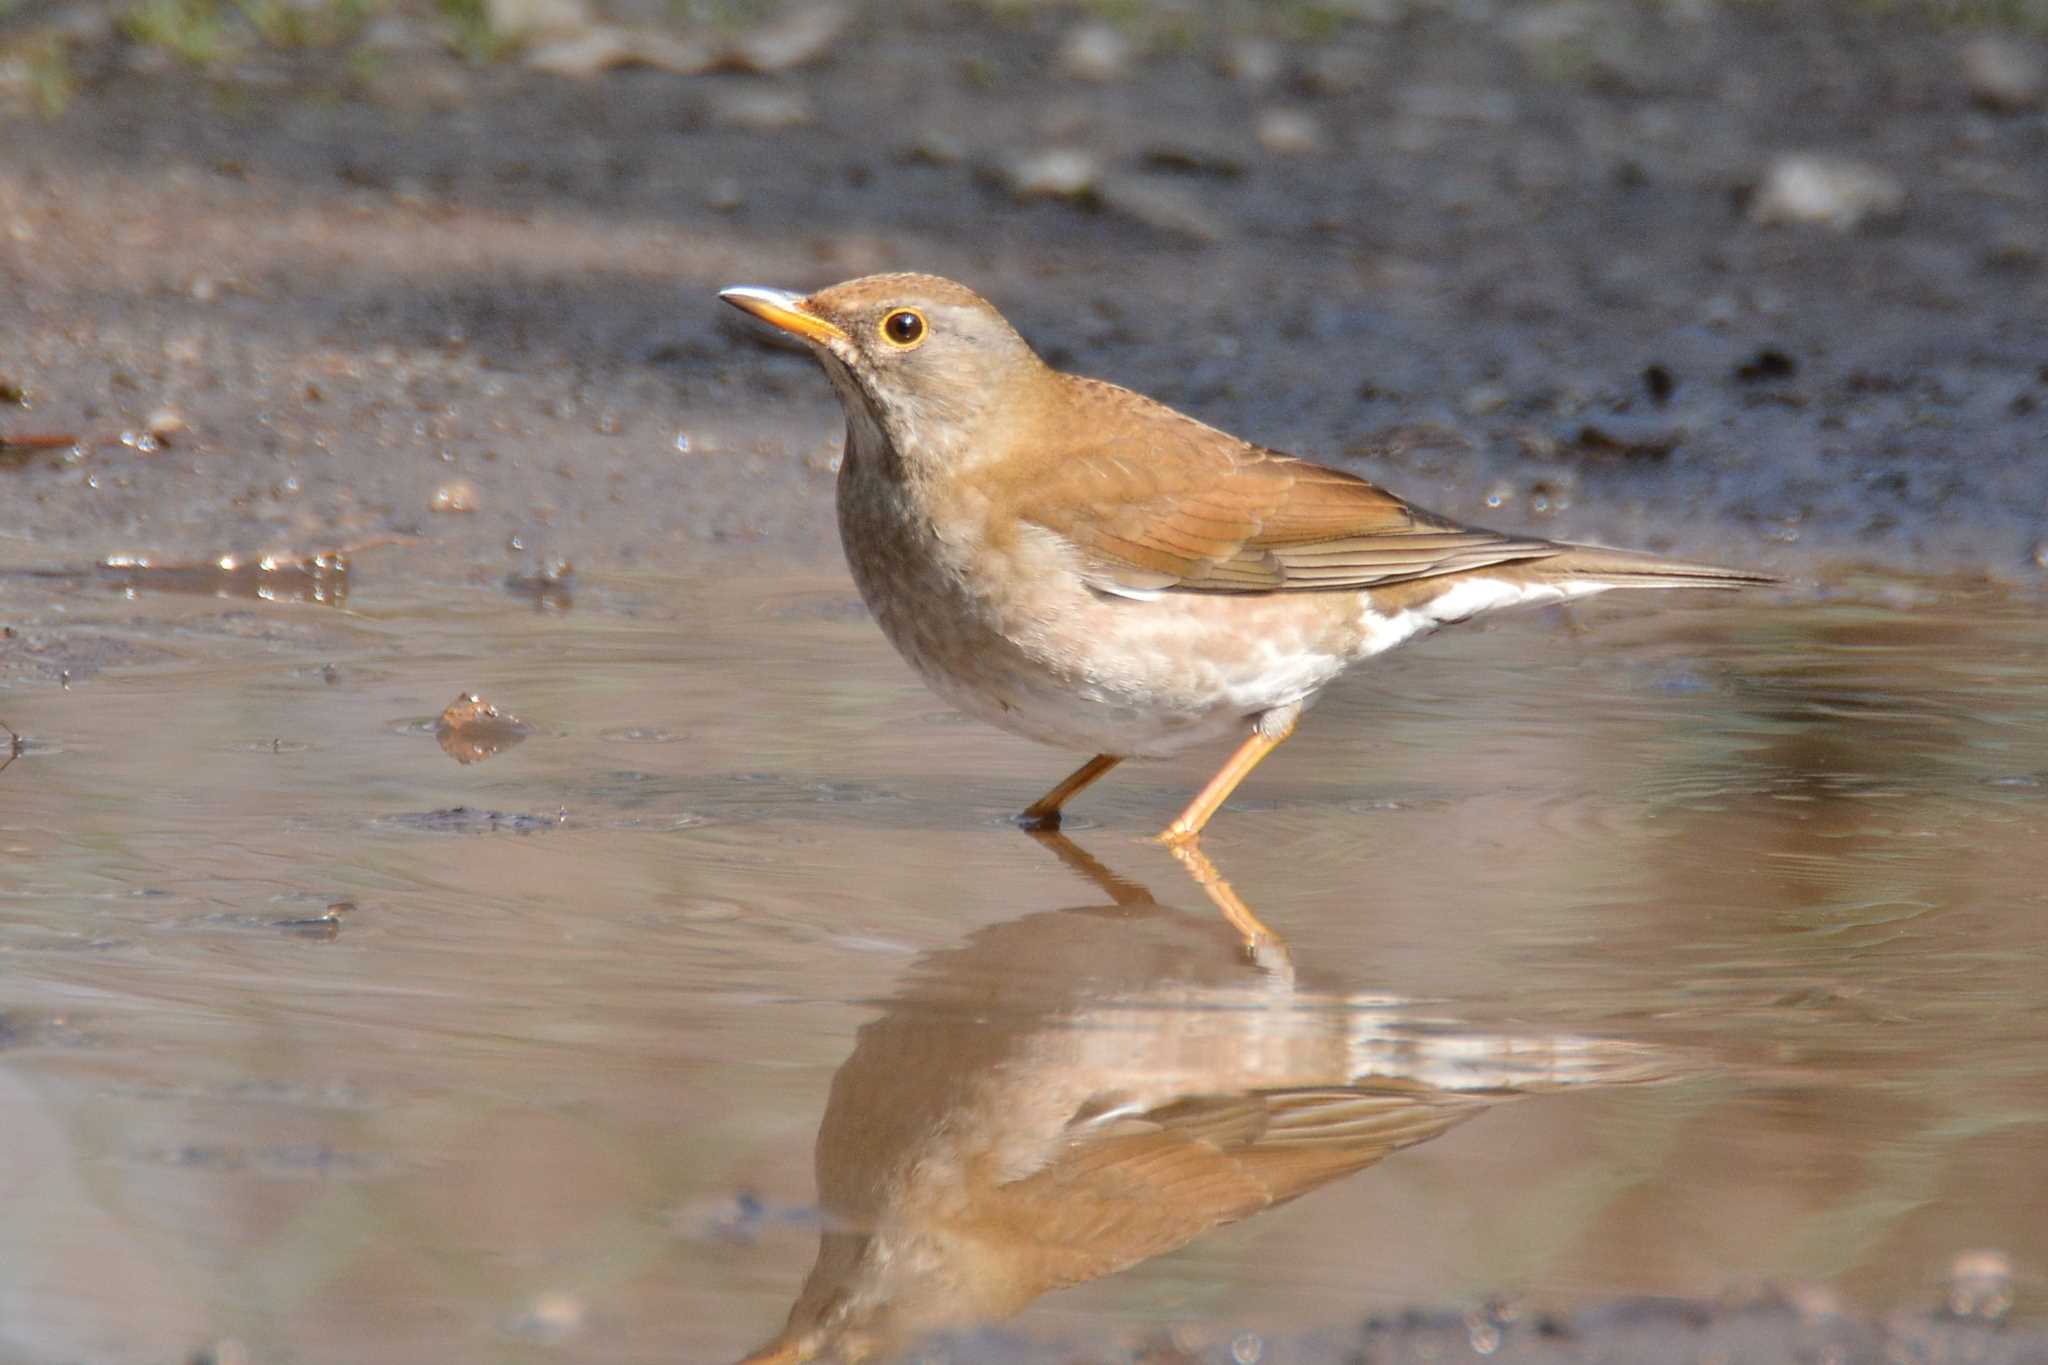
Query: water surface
{"x": 1718, "y": 920}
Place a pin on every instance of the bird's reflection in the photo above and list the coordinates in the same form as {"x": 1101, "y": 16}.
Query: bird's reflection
{"x": 1067, "y": 1094}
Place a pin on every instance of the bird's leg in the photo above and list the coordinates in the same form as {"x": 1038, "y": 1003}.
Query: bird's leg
{"x": 1268, "y": 732}
{"x": 1044, "y": 813}
{"x": 1262, "y": 945}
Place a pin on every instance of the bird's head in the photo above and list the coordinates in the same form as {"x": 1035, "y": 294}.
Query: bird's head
{"x": 917, "y": 359}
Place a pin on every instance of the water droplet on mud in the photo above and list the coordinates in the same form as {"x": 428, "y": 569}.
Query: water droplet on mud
{"x": 458, "y": 495}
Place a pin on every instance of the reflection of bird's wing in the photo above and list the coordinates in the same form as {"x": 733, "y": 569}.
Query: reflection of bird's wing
{"x": 1128, "y": 1187}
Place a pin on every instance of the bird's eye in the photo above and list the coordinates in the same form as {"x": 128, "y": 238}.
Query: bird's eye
{"x": 903, "y": 328}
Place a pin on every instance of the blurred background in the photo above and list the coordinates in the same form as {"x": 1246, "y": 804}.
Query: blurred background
{"x": 357, "y": 356}
{"x": 1769, "y": 275}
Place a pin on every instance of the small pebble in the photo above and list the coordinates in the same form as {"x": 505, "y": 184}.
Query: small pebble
{"x": 1095, "y": 52}
{"x": 1057, "y": 173}
{"x": 1338, "y": 71}
{"x": 935, "y": 147}
{"x": 2002, "y": 75}
{"x": 166, "y": 425}
{"x": 1162, "y": 206}
{"x": 1827, "y": 191}
{"x": 525, "y": 18}
{"x": 766, "y": 110}
{"x": 1251, "y": 61}
{"x": 1483, "y": 400}
{"x": 1289, "y": 132}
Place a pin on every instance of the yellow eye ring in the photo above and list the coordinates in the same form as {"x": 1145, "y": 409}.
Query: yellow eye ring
{"x": 903, "y": 328}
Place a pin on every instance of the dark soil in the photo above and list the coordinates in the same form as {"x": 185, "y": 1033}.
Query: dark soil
{"x": 1516, "y": 280}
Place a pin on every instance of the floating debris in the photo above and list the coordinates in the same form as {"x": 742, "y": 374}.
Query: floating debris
{"x": 321, "y": 578}
{"x": 550, "y": 582}
{"x": 472, "y": 730}
{"x": 325, "y": 925}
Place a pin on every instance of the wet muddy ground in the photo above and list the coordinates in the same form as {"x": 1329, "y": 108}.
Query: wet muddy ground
{"x": 1517, "y": 271}
{"x": 343, "y": 1020}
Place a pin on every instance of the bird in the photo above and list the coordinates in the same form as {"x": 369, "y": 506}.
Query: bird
{"x": 1066, "y": 1094}
{"x": 1085, "y": 566}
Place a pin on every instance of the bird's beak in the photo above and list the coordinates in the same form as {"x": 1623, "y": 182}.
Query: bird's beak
{"x": 783, "y": 309}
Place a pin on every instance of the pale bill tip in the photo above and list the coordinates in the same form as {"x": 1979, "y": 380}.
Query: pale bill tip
{"x": 755, "y": 293}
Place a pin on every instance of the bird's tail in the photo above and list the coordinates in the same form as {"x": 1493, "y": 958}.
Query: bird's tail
{"x": 1633, "y": 569}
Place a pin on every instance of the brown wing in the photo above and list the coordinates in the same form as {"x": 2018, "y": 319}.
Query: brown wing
{"x": 1152, "y": 1183}
{"x": 1155, "y": 500}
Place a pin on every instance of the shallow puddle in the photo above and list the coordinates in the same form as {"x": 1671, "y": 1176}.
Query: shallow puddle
{"x": 1718, "y": 920}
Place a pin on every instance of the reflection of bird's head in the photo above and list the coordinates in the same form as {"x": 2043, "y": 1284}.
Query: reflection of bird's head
{"x": 871, "y": 1295}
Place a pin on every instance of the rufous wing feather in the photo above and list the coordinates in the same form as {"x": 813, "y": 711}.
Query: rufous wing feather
{"x": 1169, "y": 503}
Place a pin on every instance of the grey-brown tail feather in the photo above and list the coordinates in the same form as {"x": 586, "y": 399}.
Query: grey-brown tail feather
{"x": 1632, "y": 569}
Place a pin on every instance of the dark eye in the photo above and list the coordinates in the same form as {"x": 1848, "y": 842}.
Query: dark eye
{"x": 904, "y": 327}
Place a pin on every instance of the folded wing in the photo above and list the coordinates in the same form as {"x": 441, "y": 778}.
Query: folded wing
{"x": 1195, "y": 509}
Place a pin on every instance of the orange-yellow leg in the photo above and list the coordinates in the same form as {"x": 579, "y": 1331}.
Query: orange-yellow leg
{"x": 1044, "y": 813}
{"x": 1271, "y": 731}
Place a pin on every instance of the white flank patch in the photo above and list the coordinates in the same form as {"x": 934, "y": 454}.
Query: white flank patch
{"x": 1461, "y": 601}
{"x": 1104, "y": 583}
{"x": 1285, "y": 671}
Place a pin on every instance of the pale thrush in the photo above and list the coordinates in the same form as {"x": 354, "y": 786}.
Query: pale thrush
{"x": 1087, "y": 567}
